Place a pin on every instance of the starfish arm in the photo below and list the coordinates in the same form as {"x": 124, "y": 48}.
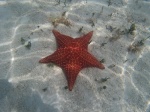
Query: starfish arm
{"x": 62, "y": 40}
{"x": 84, "y": 40}
{"x": 71, "y": 71}
{"x": 58, "y": 57}
{"x": 89, "y": 60}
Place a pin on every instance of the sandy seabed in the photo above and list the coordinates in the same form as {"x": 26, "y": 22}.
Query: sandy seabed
{"x": 120, "y": 40}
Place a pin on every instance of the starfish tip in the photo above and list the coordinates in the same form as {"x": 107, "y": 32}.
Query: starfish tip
{"x": 91, "y": 32}
{"x": 43, "y": 61}
{"x": 55, "y": 31}
{"x": 70, "y": 88}
{"x": 101, "y": 67}
{"x": 40, "y": 61}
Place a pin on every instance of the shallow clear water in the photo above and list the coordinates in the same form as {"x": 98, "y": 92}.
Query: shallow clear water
{"x": 26, "y": 36}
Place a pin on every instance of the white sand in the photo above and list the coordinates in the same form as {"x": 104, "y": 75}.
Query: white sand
{"x": 27, "y": 86}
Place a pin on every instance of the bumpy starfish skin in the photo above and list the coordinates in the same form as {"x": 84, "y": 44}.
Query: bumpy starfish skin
{"x": 72, "y": 56}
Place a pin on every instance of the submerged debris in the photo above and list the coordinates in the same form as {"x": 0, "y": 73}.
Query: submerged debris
{"x": 132, "y": 29}
{"x": 66, "y": 87}
{"x": 109, "y": 2}
{"x": 110, "y": 28}
{"x": 58, "y": 2}
{"x": 102, "y": 80}
{"x": 50, "y": 65}
{"x": 61, "y": 20}
{"x": 102, "y": 44}
{"x": 125, "y": 60}
{"x": 137, "y": 47}
{"x": 117, "y": 35}
{"x": 117, "y": 32}
{"x": 31, "y": 33}
{"x": 104, "y": 87}
{"x": 22, "y": 41}
{"x": 134, "y": 48}
{"x": 102, "y": 60}
{"x": 91, "y": 21}
{"x": 80, "y": 29}
{"x": 101, "y": 88}
{"x": 45, "y": 89}
{"x": 63, "y": 14}
{"x": 111, "y": 66}
{"x": 26, "y": 43}
{"x": 64, "y": 1}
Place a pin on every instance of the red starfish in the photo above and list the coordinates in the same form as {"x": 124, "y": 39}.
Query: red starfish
{"x": 72, "y": 56}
